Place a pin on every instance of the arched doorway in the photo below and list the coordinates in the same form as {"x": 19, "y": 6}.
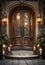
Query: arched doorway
{"x": 22, "y": 27}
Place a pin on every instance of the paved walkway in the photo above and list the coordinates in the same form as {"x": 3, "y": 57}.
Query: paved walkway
{"x": 22, "y": 62}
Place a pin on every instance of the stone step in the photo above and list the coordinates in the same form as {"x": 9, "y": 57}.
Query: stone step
{"x": 22, "y": 48}
{"x": 22, "y": 54}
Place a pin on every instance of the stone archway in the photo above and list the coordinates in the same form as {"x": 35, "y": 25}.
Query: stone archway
{"x": 22, "y": 24}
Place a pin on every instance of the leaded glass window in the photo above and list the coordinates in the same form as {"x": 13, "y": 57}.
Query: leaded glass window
{"x": 31, "y": 25}
{"x": 18, "y": 24}
{"x": 25, "y": 24}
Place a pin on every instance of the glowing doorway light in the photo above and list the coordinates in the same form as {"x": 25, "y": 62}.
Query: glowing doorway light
{"x": 18, "y": 16}
{"x": 26, "y": 23}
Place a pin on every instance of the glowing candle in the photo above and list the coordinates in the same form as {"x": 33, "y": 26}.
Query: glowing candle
{"x": 10, "y": 45}
{"x": 3, "y": 52}
{"x": 9, "y": 49}
{"x": 38, "y": 45}
{"x": 4, "y": 46}
{"x": 34, "y": 48}
{"x": 40, "y": 51}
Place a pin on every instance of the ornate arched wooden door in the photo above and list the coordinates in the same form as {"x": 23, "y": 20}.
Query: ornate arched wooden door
{"x": 23, "y": 29}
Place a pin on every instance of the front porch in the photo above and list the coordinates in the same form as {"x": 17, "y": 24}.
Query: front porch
{"x": 22, "y": 54}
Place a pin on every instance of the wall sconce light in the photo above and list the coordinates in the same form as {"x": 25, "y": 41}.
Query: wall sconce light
{"x": 4, "y": 18}
{"x": 39, "y": 18}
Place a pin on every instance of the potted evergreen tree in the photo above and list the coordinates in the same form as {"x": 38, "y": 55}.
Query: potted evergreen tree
{"x": 41, "y": 41}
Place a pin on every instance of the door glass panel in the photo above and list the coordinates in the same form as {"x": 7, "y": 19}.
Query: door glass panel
{"x": 31, "y": 25}
{"x": 18, "y": 25}
{"x": 13, "y": 25}
{"x": 25, "y": 24}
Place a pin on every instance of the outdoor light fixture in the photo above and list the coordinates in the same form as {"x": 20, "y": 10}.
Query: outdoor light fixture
{"x": 3, "y": 50}
{"x": 40, "y": 51}
{"x": 39, "y": 18}
{"x": 10, "y": 45}
{"x": 3, "y": 46}
{"x": 38, "y": 45}
{"x": 4, "y": 18}
{"x": 34, "y": 48}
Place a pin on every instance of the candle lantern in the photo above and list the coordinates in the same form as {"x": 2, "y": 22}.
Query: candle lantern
{"x": 10, "y": 45}
{"x": 34, "y": 49}
{"x": 40, "y": 51}
{"x": 3, "y": 52}
{"x": 9, "y": 49}
{"x": 38, "y": 46}
{"x": 4, "y": 46}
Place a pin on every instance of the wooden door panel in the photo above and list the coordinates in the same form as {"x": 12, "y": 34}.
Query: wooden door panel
{"x": 26, "y": 41}
{"x": 23, "y": 29}
{"x": 18, "y": 41}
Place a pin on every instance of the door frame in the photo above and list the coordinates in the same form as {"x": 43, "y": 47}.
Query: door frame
{"x": 18, "y": 8}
